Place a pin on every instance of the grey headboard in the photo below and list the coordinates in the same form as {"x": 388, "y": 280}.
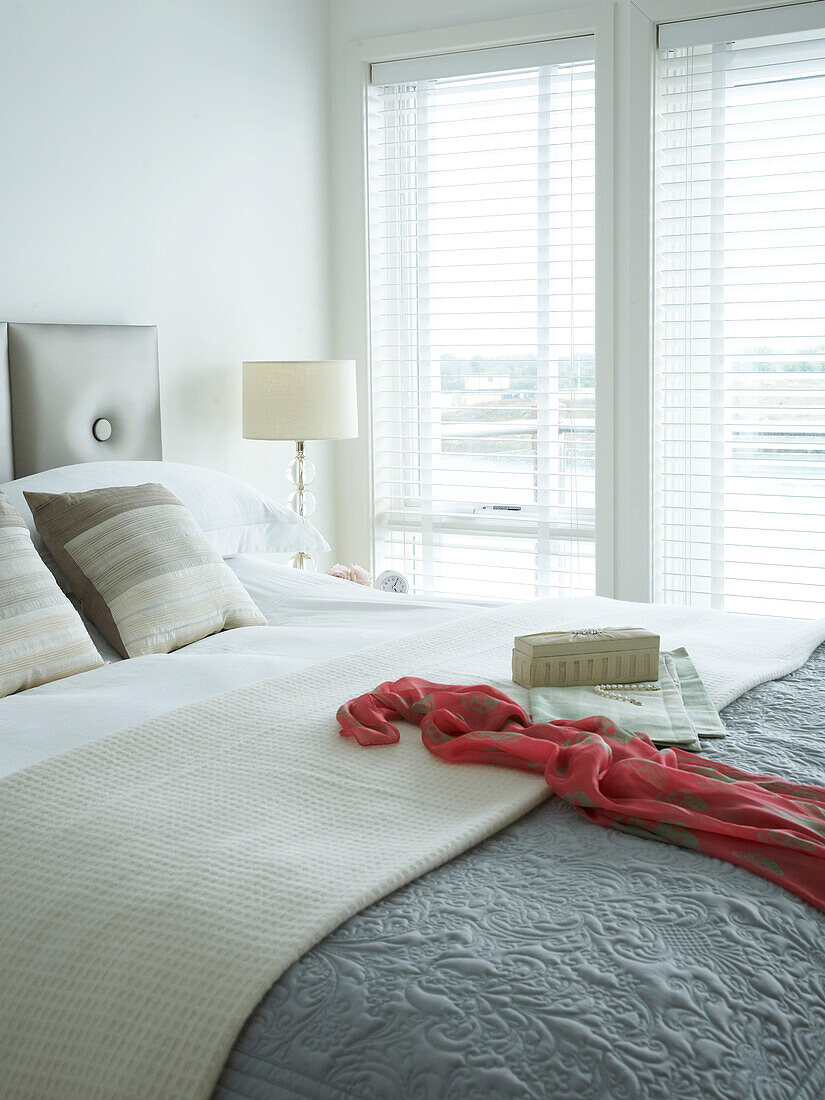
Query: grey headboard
{"x": 77, "y": 393}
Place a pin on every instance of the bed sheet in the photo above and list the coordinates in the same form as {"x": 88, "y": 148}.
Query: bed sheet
{"x": 312, "y": 618}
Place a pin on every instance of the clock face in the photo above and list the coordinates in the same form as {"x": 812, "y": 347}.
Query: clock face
{"x": 391, "y": 581}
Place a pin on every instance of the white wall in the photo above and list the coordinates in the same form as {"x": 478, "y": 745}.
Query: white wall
{"x": 353, "y": 19}
{"x": 166, "y": 162}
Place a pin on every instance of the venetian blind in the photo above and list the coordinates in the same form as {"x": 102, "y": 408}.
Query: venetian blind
{"x": 481, "y": 199}
{"x": 740, "y": 312}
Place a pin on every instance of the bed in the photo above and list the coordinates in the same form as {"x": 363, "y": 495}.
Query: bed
{"x": 546, "y": 958}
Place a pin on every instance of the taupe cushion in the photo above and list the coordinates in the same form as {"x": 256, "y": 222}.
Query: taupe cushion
{"x": 42, "y": 637}
{"x": 144, "y": 571}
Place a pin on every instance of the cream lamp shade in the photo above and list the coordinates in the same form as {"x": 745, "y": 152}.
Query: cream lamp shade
{"x": 300, "y": 400}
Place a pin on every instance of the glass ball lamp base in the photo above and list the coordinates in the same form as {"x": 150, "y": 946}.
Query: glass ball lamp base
{"x": 300, "y": 472}
{"x": 302, "y": 502}
{"x": 303, "y": 561}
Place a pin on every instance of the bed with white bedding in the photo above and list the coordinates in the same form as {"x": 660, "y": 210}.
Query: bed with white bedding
{"x": 554, "y": 959}
{"x": 158, "y": 817}
{"x": 312, "y": 618}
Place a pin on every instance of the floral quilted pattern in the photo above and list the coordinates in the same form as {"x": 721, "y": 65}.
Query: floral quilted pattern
{"x": 558, "y": 960}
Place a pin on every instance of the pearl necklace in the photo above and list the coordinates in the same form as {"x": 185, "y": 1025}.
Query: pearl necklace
{"x": 612, "y": 691}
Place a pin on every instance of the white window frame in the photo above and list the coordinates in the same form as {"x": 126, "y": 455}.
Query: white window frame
{"x": 627, "y": 32}
{"x": 637, "y": 31}
{"x": 541, "y": 523}
{"x": 356, "y": 518}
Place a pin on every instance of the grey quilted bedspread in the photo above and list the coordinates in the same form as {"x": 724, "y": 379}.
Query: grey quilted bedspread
{"x": 560, "y": 960}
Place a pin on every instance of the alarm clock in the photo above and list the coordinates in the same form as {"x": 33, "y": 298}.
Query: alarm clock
{"x": 392, "y": 581}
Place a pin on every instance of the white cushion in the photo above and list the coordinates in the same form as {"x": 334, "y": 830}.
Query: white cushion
{"x": 142, "y": 568}
{"x": 235, "y": 517}
{"x": 41, "y": 635}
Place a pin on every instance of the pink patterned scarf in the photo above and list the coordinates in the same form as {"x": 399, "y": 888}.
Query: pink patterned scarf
{"x": 617, "y": 779}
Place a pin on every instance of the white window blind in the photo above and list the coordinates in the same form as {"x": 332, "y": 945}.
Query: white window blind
{"x": 740, "y": 315}
{"x": 481, "y": 195}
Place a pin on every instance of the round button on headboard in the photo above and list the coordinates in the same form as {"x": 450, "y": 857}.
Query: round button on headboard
{"x": 102, "y": 429}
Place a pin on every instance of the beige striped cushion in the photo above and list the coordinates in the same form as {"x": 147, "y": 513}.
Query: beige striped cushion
{"x": 42, "y": 637}
{"x": 143, "y": 569}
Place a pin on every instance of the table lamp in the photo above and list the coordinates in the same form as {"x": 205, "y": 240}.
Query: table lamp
{"x": 313, "y": 399}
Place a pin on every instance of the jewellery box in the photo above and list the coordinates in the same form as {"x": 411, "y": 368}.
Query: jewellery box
{"x": 598, "y": 655}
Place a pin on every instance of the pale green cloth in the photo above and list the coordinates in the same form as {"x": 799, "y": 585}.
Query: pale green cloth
{"x": 679, "y": 714}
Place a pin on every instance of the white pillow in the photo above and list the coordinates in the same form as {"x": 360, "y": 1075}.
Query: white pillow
{"x": 235, "y": 517}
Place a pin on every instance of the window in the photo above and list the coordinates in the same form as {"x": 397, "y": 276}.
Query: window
{"x": 740, "y": 312}
{"x": 481, "y": 196}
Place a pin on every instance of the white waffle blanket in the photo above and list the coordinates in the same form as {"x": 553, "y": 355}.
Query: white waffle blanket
{"x": 154, "y": 883}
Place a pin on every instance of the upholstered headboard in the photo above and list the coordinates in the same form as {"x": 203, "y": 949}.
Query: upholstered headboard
{"x": 77, "y": 393}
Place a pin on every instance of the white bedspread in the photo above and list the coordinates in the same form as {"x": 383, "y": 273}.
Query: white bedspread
{"x": 313, "y": 618}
